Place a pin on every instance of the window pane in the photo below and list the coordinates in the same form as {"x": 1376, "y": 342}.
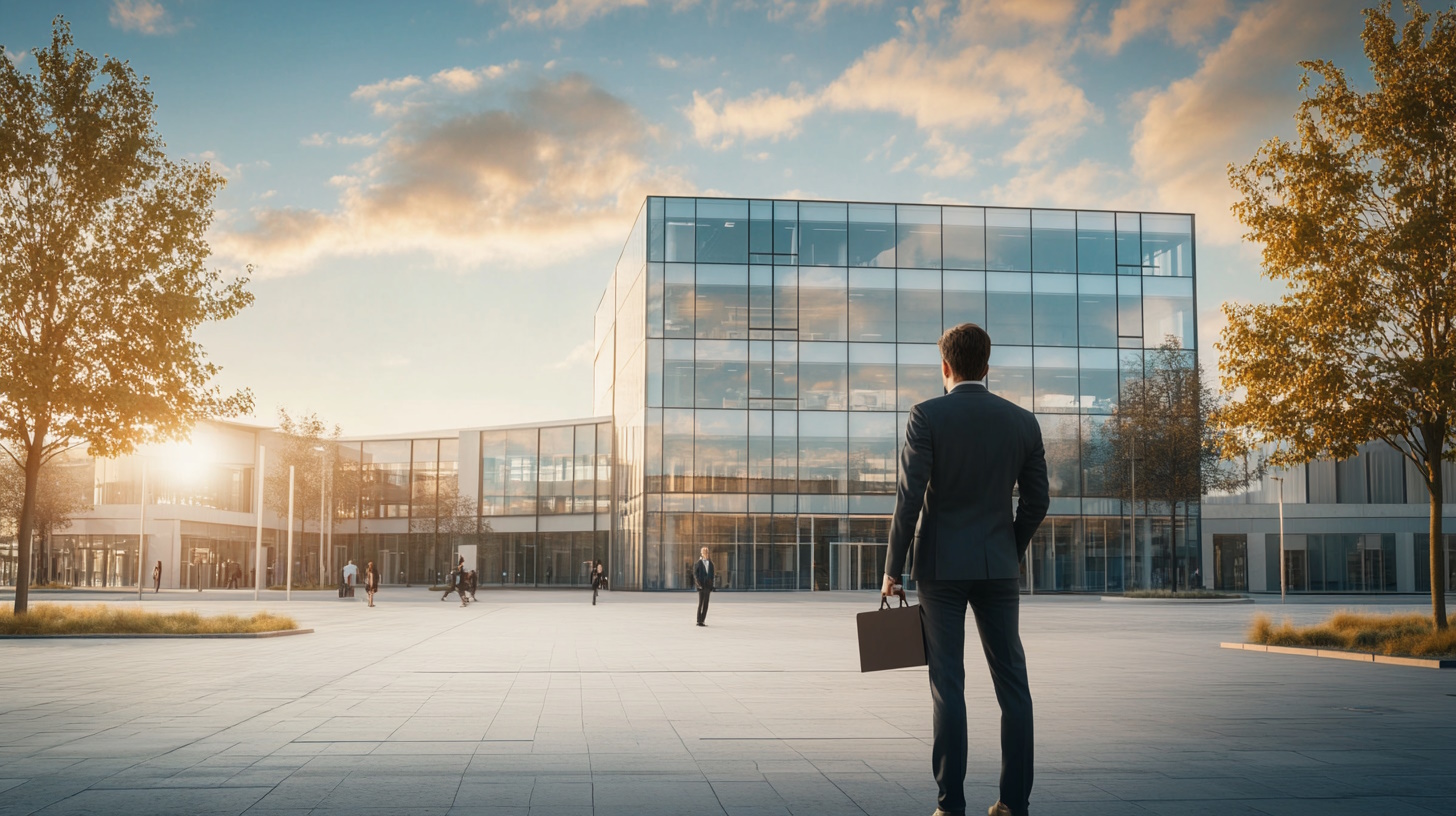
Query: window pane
{"x": 722, "y": 301}
{"x": 677, "y": 373}
{"x": 1096, "y": 243}
{"x": 1099, "y": 380}
{"x": 965, "y": 298}
{"x": 822, "y": 376}
{"x": 521, "y": 472}
{"x": 872, "y": 453}
{"x": 721, "y": 456}
{"x": 760, "y": 451}
{"x": 919, "y": 374}
{"x": 1010, "y": 375}
{"x": 917, "y": 237}
{"x": 654, "y": 300}
{"x": 822, "y": 304}
{"x": 1008, "y": 240}
{"x": 1008, "y": 308}
{"x": 786, "y": 451}
{"x": 680, "y": 222}
{"x": 871, "y": 377}
{"x": 494, "y": 470}
{"x": 1054, "y": 241}
{"x": 1056, "y": 380}
{"x": 556, "y": 470}
{"x": 786, "y": 370}
{"x": 872, "y": 304}
{"x": 1054, "y": 309}
{"x": 760, "y": 369}
{"x": 1129, "y": 307}
{"x": 964, "y": 236}
{"x": 823, "y": 237}
{"x": 760, "y": 227}
{"x": 786, "y": 227}
{"x": 677, "y": 302}
{"x": 1129, "y": 368}
{"x": 1168, "y": 311}
{"x": 918, "y": 306}
{"x": 760, "y": 297}
{"x": 872, "y": 235}
{"x": 1064, "y": 465}
{"x": 1097, "y": 310}
{"x": 1128, "y": 242}
{"x": 823, "y": 444}
{"x": 1168, "y": 245}
{"x": 654, "y": 373}
{"x": 677, "y": 450}
{"x": 722, "y": 374}
{"x": 655, "y": 225}
{"x": 786, "y": 297}
{"x": 722, "y": 231}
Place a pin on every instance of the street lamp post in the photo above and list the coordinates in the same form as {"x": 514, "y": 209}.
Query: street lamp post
{"x": 323, "y": 477}
{"x": 288, "y": 589}
{"x": 1282, "y": 582}
{"x": 258, "y": 542}
{"x": 142, "y": 533}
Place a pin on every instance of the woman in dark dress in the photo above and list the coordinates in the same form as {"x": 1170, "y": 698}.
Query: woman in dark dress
{"x": 371, "y": 582}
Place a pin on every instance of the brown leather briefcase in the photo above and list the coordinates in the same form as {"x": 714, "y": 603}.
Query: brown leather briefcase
{"x": 890, "y": 638}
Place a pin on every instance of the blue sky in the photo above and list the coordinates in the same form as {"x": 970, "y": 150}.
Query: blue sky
{"x": 434, "y": 193}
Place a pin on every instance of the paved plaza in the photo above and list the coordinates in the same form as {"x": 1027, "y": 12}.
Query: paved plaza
{"x": 535, "y": 702}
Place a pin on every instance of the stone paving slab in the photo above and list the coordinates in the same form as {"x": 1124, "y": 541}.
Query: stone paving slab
{"x": 536, "y": 702}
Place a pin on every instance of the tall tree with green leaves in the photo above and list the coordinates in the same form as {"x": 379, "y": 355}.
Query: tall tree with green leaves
{"x": 102, "y": 275}
{"x": 1357, "y": 217}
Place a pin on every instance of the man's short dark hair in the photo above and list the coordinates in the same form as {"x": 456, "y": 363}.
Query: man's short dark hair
{"x": 966, "y": 348}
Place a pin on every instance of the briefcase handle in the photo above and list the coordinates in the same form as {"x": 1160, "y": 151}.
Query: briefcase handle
{"x": 885, "y": 599}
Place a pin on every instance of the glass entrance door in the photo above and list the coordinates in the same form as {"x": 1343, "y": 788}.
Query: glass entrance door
{"x": 856, "y": 566}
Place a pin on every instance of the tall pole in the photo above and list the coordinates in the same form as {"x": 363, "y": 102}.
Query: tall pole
{"x": 258, "y": 542}
{"x": 142, "y": 534}
{"x": 1133, "y": 505}
{"x": 288, "y": 589}
{"x": 323, "y": 476}
{"x": 1282, "y": 581}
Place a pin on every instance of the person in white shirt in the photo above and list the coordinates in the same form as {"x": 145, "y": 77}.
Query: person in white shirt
{"x": 351, "y": 573}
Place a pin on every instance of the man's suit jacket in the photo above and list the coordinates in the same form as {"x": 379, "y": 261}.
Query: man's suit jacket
{"x": 963, "y": 454}
{"x": 703, "y": 574}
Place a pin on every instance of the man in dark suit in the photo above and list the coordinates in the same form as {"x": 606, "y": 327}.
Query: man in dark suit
{"x": 703, "y": 578}
{"x": 964, "y": 454}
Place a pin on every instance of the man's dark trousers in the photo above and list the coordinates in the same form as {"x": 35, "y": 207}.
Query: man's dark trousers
{"x": 705, "y": 593}
{"x": 996, "y": 606}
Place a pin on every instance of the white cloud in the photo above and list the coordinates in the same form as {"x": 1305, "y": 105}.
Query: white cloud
{"x": 141, "y": 16}
{"x": 570, "y": 13}
{"x": 231, "y": 172}
{"x": 718, "y": 121}
{"x": 387, "y": 86}
{"x": 813, "y": 11}
{"x": 463, "y": 80}
{"x": 15, "y": 57}
{"x": 666, "y": 63}
{"x": 359, "y": 140}
{"x": 1053, "y": 185}
{"x": 1244, "y": 92}
{"x": 562, "y": 168}
{"x": 1186, "y": 21}
{"x": 315, "y": 139}
{"x": 581, "y": 355}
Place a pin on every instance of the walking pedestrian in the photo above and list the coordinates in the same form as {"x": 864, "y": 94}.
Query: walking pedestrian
{"x": 157, "y": 578}
{"x": 596, "y": 580}
{"x": 371, "y": 581}
{"x": 703, "y": 577}
{"x": 346, "y": 581}
{"x": 474, "y": 581}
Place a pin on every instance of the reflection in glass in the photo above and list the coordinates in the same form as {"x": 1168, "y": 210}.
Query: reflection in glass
{"x": 822, "y": 241}
{"x": 677, "y": 450}
{"x": 760, "y": 297}
{"x": 654, "y": 373}
{"x": 1010, "y": 375}
{"x": 1099, "y": 380}
{"x": 1168, "y": 311}
{"x": 679, "y": 237}
{"x": 786, "y": 370}
{"x": 556, "y": 470}
{"x": 760, "y": 451}
{"x": 1097, "y": 458}
{"x": 760, "y": 369}
{"x": 871, "y": 377}
{"x": 822, "y": 376}
{"x": 872, "y": 304}
{"x": 872, "y": 453}
{"x": 965, "y": 298}
{"x": 786, "y": 228}
{"x": 1130, "y": 370}
{"x": 1008, "y": 240}
{"x": 1008, "y": 308}
{"x": 964, "y": 237}
{"x": 822, "y": 304}
{"x": 1097, "y": 310}
{"x": 654, "y": 228}
{"x": 786, "y": 451}
{"x": 721, "y": 457}
{"x": 1096, "y": 243}
{"x": 722, "y": 374}
{"x": 677, "y": 373}
{"x": 1054, "y": 241}
{"x": 1064, "y": 465}
{"x": 872, "y": 235}
{"x": 1054, "y": 309}
{"x": 917, "y": 237}
{"x": 786, "y": 297}
{"x": 918, "y": 306}
{"x": 654, "y": 300}
{"x": 823, "y": 442}
{"x": 1168, "y": 245}
{"x": 919, "y": 374}
{"x": 1129, "y": 244}
{"x": 677, "y": 305}
{"x": 494, "y": 469}
{"x": 1056, "y": 380}
{"x": 1129, "y": 307}
{"x": 722, "y": 301}
{"x": 722, "y": 231}
{"x": 521, "y": 472}
{"x": 760, "y": 227}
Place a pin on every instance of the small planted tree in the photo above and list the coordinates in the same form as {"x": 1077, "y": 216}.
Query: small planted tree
{"x": 308, "y": 445}
{"x": 102, "y": 276}
{"x": 1357, "y": 217}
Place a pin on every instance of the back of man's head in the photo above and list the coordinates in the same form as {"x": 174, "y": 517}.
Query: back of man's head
{"x": 966, "y": 349}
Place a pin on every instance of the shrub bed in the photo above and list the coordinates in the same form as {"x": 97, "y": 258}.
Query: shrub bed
{"x": 1398, "y": 635}
{"x": 65, "y": 619}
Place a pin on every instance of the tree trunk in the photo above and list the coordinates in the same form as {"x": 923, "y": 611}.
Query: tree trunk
{"x": 1438, "y": 543}
{"x": 1173, "y": 543}
{"x": 27, "y": 523}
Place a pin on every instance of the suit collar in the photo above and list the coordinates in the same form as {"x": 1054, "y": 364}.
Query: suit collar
{"x": 968, "y": 385}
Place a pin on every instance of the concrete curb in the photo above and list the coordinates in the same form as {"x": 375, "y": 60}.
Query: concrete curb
{"x": 280, "y": 633}
{"x": 1338, "y": 654}
{"x": 1121, "y": 599}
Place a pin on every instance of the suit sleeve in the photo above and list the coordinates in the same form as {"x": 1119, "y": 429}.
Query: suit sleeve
{"x": 916, "y": 457}
{"x": 1032, "y": 491}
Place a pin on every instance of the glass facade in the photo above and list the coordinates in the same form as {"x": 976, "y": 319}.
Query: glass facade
{"x": 767, "y": 352}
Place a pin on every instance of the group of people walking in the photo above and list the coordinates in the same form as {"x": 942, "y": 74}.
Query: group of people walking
{"x": 351, "y": 576}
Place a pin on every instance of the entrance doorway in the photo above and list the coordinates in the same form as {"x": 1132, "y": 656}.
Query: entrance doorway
{"x": 1230, "y": 562}
{"x": 856, "y": 566}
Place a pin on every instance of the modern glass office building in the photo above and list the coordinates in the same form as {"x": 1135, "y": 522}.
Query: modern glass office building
{"x": 758, "y": 359}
